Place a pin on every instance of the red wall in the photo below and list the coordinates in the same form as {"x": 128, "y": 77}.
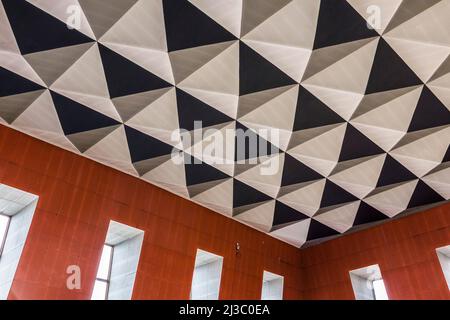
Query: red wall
{"x": 78, "y": 197}
{"x": 405, "y": 250}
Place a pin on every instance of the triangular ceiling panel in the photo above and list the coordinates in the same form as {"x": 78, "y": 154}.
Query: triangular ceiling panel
{"x": 357, "y": 145}
{"x": 423, "y": 58}
{"x": 255, "y": 12}
{"x": 85, "y": 82}
{"x": 213, "y": 68}
{"x": 296, "y": 172}
{"x": 83, "y": 126}
{"x": 7, "y": 40}
{"x": 192, "y": 110}
{"x": 249, "y": 145}
{"x": 294, "y": 234}
{"x": 393, "y": 199}
{"x": 51, "y": 64}
{"x": 319, "y": 148}
{"x": 430, "y": 113}
{"x": 14, "y": 105}
{"x": 368, "y": 9}
{"x": 198, "y": 28}
{"x": 389, "y": 71}
{"x": 285, "y": 215}
{"x": 17, "y": 63}
{"x": 187, "y": 61}
{"x": 265, "y": 176}
{"x": 125, "y": 77}
{"x": 103, "y": 14}
{"x": 422, "y": 151}
{"x": 113, "y": 150}
{"x": 359, "y": 176}
{"x": 166, "y": 173}
{"x": 304, "y": 197}
{"x": 424, "y": 195}
{"x": 64, "y": 10}
{"x": 198, "y": 172}
{"x": 290, "y": 52}
{"x": 439, "y": 180}
{"x": 338, "y": 23}
{"x": 334, "y": 195}
{"x": 385, "y": 117}
{"x": 260, "y": 217}
{"x": 29, "y": 23}
{"x": 408, "y": 10}
{"x": 76, "y": 118}
{"x": 146, "y": 151}
{"x": 311, "y": 112}
{"x": 426, "y": 22}
{"x": 340, "y": 218}
{"x": 393, "y": 172}
{"x": 245, "y": 195}
{"x": 275, "y": 117}
{"x": 353, "y": 70}
{"x": 13, "y": 84}
{"x": 318, "y": 230}
{"x": 258, "y": 74}
{"x": 40, "y": 119}
{"x": 227, "y": 13}
{"x": 367, "y": 214}
{"x": 141, "y": 26}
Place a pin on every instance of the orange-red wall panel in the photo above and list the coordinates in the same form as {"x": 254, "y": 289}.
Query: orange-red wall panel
{"x": 405, "y": 250}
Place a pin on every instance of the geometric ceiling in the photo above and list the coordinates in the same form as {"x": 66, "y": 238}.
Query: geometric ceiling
{"x": 350, "y": 115}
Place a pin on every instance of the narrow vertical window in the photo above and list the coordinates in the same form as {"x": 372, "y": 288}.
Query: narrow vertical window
{"x": 118, "y": 263}
{"x": 207, "y": 275}
{"x": 368, "y": 283}
{"x": 379, "y": 290}
{"x": 4, "y": 224}
{"x": 17, "y": 209}
{"x": 444, "y": 259}
{"x": 103, "y": 274}
{"x": 272, "y": 288}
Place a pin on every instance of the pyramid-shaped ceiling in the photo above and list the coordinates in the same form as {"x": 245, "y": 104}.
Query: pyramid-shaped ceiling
{"x": 303, "y": 119}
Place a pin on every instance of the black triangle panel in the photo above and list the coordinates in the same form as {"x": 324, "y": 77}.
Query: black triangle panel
{"x": 393, "y": 172}
{"x": 389, "y": 71}
{"x": 11, "y": 83}
{"x": 187, "y": 26}
{"x": 311, "y": 112}
{"x": 357, "y": 145}
{"x": 244, "y": 195}
{"x": 249, "y": 145}
{"x": 258, "y": 74}
{"x": 318, "y": 230}
{"x": 429, "y": 113}
{"x": 201, "y": 172}
{"x": 296, "y": 172}
{"x": 143, "y": 146}
{"x": 339, "y": 23}
{"x": 424, "y": 195}
{"x": 124, "y": 77}
{"x": 191, "y": 109}
{"x": 368, "y": 214}
{"x": 447, "y": 155}
{"x": 334, "y": 195}
{"x": 36, "y": 30}
{"x": 75, "y": 117}
{"x": 285, "y": 214}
